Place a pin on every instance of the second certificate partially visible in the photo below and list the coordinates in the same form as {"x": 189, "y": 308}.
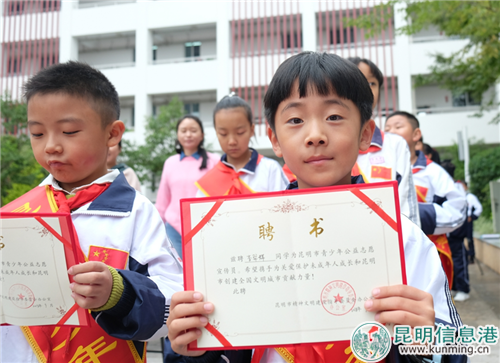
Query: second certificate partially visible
{"x": 291, "y": 267}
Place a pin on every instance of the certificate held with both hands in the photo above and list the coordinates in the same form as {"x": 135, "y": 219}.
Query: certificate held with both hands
{"x": 291, "y": 267}
{"x": 36, "y": 250}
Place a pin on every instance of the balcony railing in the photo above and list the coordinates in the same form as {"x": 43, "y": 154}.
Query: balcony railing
{"x": 93, "y": 4}
{"x": 429, "y": 110}
{"x": 185, "y": 59}
{"x": 113, "y": 65}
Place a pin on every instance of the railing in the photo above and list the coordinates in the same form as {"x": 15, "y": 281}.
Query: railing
{"x": 113, "y": 65}
{"x": 93, "y": 4}
{"x": 447, "y": 109}
{"x": 185, "y": 59}
{"x": 434, "y": 38}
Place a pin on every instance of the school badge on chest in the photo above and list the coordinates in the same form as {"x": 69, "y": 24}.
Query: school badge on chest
{"x": 110, "y": 256}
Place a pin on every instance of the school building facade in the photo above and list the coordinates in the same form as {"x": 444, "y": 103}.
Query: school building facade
{"x": 202, "y": 50}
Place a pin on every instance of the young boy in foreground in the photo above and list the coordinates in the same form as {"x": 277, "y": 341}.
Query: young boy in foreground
{"x": 73, "y": 113}
{"x": 319, "y": 107}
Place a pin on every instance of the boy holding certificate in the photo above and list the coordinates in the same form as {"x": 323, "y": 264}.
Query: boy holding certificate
{"x": 130, "y": 273}
{"x": 319, "y": 109}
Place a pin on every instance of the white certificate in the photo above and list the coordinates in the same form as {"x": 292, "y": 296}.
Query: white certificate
{"x": 36, "y": 251}
{"x": 291, "y": 267}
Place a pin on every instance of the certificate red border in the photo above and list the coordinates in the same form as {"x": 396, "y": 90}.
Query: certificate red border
{"x": 187, "y": 251}
{"x": 69, "y": 236}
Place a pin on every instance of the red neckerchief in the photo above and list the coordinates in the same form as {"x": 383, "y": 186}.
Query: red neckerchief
{"x": 81, "y": 198}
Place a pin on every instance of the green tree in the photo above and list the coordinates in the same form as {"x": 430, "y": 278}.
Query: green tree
{"x": 20, "y": 172}
{"x": 13, "y": 114}
{"x": 148, "y": 159}
{"x": 476, "y": 67}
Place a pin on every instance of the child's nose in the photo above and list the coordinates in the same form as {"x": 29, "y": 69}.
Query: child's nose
{"x": 316, "y": 136}
{"x": 53, "y": 146}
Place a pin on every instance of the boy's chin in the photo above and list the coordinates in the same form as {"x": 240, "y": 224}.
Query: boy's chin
{"x": 323, "y": 182}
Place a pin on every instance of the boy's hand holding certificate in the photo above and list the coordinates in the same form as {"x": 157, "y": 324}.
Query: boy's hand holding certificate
{"x": 36, "y": 251}
{"x": 291, "y": 267}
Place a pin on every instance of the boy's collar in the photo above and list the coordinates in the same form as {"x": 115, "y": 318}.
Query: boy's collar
{"x": 422, "y": 161}
{"x": 196, "y": 155}
{"x": 106, "y": 178}
{"x": 358, "y": 179}
{"x": 250, "y": 167}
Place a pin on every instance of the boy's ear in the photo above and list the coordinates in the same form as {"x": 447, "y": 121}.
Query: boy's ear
{"x": 417, "y": 135}
{"x": 274, "y": 142}
{"x": 365, "y": 139}
{"x": 115, "y": 132}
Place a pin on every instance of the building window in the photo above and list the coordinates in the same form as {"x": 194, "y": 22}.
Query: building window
{"x": 155, "y": 50}
{"x": 13, "y": 68}
{"x": 464, "y": 100}
{"x": 192, "y": 49}
{"x": 337, "y": 40}
{"x": 291, "y": 42}
{"x": 192, "y": 109}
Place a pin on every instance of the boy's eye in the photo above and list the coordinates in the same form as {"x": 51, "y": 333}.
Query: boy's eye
{"x": 70, "y": 132}
{"x": 334, "y": 118}
{"x": 295, "y": 121}
{"x": 36, "y": 135}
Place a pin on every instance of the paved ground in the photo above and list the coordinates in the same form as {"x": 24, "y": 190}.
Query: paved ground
{"x": 483, "y": 308}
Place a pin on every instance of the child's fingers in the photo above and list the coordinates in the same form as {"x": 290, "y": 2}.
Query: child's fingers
{"x": 179, "y": 326}
{"x": 402, "y": 318}
{"x": 405, "y": 291}
{"x": 182, "y": 297}
{"x": 183, "y": 340}
{"x": 90, "y": 266}
{"x": 88, "y": 290}
{"x": 395, "y": 303}
{"x": 186, "y": 310}
{"x": 91, "y": 278}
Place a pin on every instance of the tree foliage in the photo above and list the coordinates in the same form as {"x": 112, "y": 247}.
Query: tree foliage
{"x": 476, "y": 67}
{"x": 148, "y": 159}
{"x": 484, "y": 165}
{"x": 20, "y": 172}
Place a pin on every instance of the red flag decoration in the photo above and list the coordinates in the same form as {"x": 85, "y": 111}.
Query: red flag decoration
{"x": 381, "y": 172}
{"x": 110, "y": 256}
{"x": 421, "y": 194}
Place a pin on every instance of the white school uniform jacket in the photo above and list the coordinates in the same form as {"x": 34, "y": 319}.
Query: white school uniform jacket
{"x": 388, "y": 158}
{"x": 473, "y": 205}
{"x": 265, "y": 175}
{"x": 441, "y": 205}
{"x": 123, "y": 219}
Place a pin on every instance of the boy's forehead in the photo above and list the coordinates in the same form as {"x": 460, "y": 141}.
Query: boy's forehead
{"x": 65, "y": 103}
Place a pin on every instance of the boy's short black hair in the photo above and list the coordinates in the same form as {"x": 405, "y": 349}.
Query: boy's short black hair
{"x": 409, "y": 116}
{"x": 377, "y": 73}
{"x": 324, "y": 72}
{"x": 79, "y": 80}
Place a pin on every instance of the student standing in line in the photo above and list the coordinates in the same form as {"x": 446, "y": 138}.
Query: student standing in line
{"x": 388, "y": 157}
{"x": 461, "y": 287}
{"x": 474, "y": 210}
{"x": 129, "y": 173}
{"x": 318, "y": 107}
{"x": 241, "y": 170}
{"x": 180, "y": 172}
{"x": 441, "y": 206}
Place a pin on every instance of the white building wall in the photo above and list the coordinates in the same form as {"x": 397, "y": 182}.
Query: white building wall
{"x": 411, "y": 56}
{"x": 103, "y": 57}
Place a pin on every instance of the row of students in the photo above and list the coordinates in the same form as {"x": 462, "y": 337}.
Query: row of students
{"x": 319, "y": 108}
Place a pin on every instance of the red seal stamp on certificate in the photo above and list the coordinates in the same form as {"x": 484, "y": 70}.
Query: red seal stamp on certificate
{"x": 21, "y": 296}
{"x": 338, "y": 297}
